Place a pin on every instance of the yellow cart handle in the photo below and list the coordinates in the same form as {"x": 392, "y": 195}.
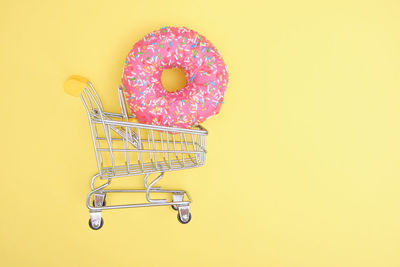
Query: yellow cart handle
{"x": 75, "y": 84}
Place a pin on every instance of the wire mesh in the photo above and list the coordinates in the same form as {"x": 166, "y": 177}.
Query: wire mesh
{"x": 125, "y": 148}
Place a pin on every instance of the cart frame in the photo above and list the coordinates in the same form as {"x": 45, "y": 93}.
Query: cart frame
{"x": 141, "y": 149}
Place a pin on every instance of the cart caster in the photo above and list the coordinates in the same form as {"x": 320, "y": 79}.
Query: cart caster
{"x": 96, "y": 221}
{"x": 184, "y": 215}
{"x": 102, "y": 204}
{"x": 186, "y": 220}
{"x": 176, "y": 197}
{"x": 99, "y": 200}
{"x": 94, "y": 226}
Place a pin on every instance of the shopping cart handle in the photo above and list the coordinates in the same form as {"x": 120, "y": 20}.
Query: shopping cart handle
{"x": 75, "y": 84}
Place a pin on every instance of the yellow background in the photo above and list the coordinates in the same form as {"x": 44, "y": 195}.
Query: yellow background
{"x": 303, "y": 161}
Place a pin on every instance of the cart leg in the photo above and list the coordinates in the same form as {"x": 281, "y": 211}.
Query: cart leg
{"x": 184, "y": 215}
{"x": 96, "y": 221}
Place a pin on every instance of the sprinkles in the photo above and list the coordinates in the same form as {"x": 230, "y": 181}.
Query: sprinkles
{"x": 174, "y": 47}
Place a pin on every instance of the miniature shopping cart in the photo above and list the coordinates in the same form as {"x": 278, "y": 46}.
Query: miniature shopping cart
{"x": 124, "y": 148}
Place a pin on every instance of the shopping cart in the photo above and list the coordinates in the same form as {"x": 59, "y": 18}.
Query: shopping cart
{"x": 124, "y": 148}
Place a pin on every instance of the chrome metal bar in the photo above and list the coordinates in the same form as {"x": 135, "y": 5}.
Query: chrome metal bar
{"x": 197, "y": 160}
{"x": 141, "y": 205}
{"x": 93, "y": 135}
{"x": 154, "y": 127}
{"x": 148, "y": 189}
{"x": 169, "y": 155}
{"x": 150, "y": 151}
{"x": 98, "y": 98}
{"x": 176, "y": 154}
{"x": 140, "y": 152}
{"x": 183, "y": 156}
{"x": 154, "y": 149}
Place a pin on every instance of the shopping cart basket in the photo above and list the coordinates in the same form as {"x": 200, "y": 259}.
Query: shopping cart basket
{"x": 124, "y": 148}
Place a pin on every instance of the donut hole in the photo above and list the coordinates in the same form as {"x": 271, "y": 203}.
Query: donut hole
{"x": 173, "y": 79}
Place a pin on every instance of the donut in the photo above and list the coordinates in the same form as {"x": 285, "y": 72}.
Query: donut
{"x": 174, "y": 47}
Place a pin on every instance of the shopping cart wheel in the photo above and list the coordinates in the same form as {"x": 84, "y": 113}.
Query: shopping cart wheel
{"x": 102, "y": 205}
{"x": 174, "y": 207}
{"x": 96, "y": 228}
{"x": 184, "y": 221}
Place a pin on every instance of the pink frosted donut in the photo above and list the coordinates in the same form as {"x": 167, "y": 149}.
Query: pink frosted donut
{"x": 174, "y": 47}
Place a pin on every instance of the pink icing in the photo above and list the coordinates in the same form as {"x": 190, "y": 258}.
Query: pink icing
{"x": 174, "y": 47}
